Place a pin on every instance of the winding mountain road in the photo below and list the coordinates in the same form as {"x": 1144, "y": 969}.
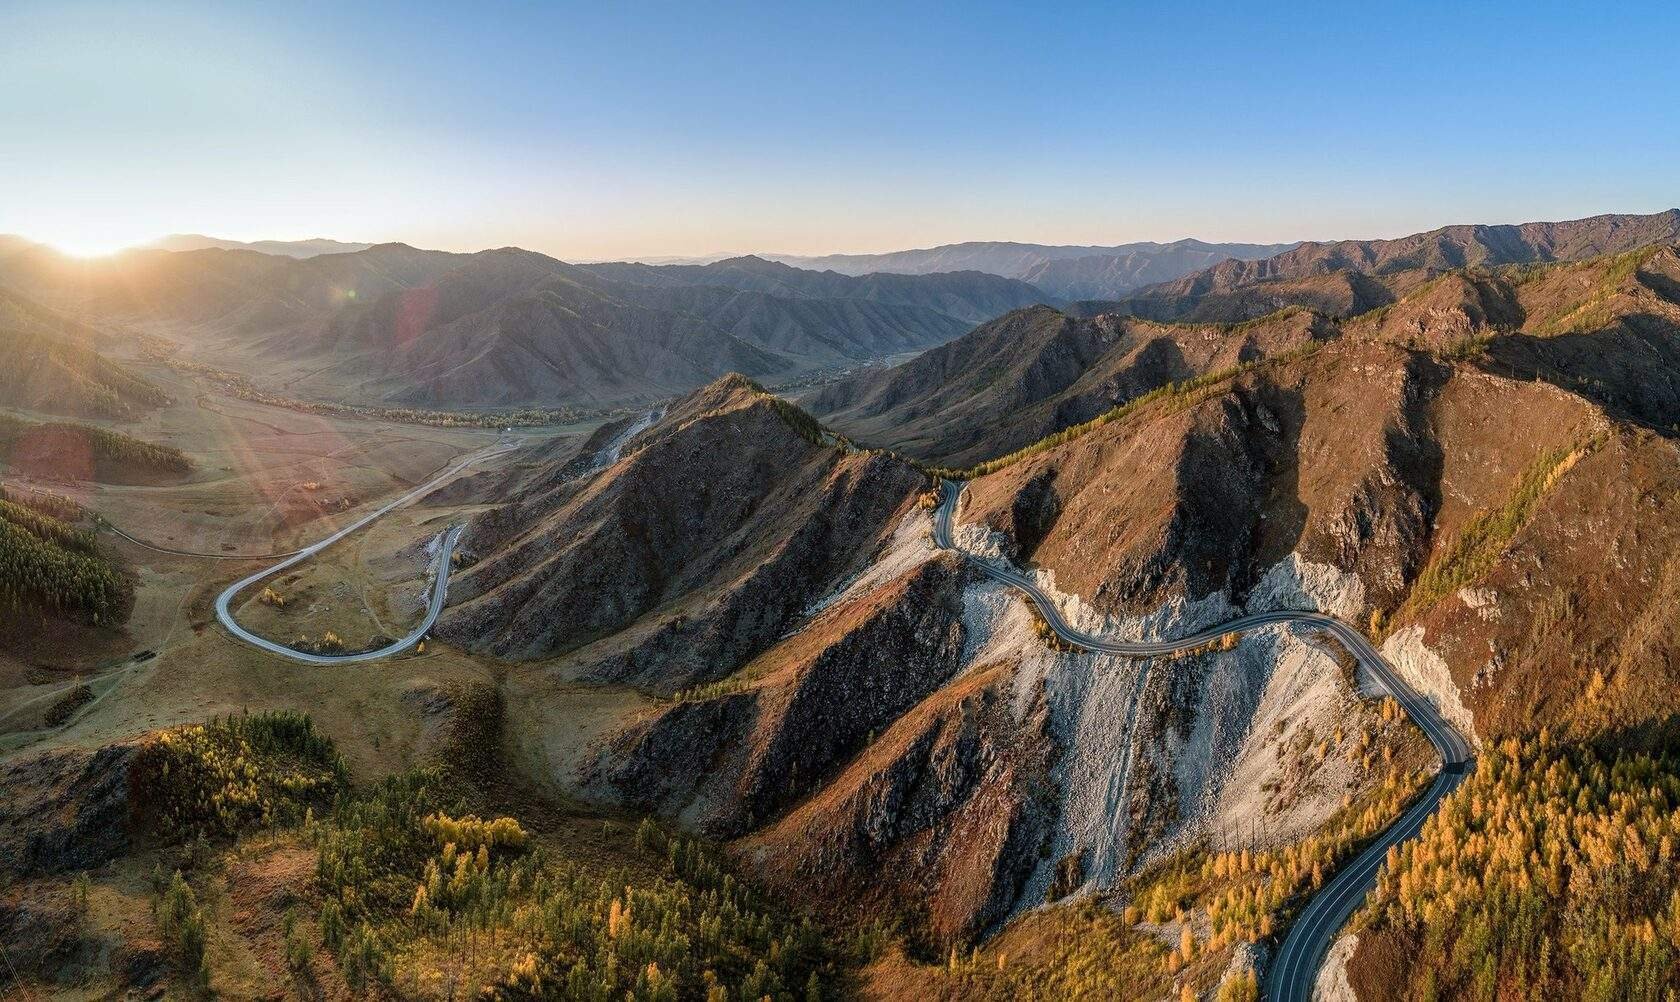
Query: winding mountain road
{"x": 1294, "y": 971}
{"x": 446, "y": 543}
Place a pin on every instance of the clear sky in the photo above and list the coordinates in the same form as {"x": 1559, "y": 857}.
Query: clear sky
{"x": 618, "y": 129}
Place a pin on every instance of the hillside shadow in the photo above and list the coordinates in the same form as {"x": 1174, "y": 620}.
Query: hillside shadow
{"x": 1631, "y": 369}
{"x": 1658, "y": 736}
{"x": 1418, "y": 455}
{"x": 1282, "y": 519}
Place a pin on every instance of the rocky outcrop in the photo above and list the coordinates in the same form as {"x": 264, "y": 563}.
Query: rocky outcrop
{"x": 66, "y": 809}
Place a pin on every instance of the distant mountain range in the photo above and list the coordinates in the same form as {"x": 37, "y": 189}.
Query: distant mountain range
{"x": 1060, "y": 271}
{"x": 505, "y": 327}
{"x": 1436, "y": 250}
{"x": 284, "y": 248}
{"x": 1035, "y": 372}
{"x": 396, "y": 324}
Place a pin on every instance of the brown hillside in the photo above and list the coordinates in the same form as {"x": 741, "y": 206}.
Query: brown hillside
{"x": 1444, "y": 249}
{"x": 1525, "y": 533}
{"x": 778, "y": 728}
{"x": 686, "y": 557}
{"x": 1033, "y": 372}
{"x": 947, "y": 800}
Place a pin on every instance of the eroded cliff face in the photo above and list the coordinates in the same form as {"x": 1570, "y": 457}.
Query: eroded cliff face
{"x": 915, "y": 749}
{"x": 1483, "y": 525}
{"x": 905, "y": 718}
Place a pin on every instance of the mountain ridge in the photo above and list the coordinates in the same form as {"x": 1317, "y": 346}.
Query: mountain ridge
{"x": 1106, "y": 271}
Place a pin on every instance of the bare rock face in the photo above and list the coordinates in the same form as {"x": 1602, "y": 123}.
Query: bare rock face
{"x": 805, "y": 706}
{"x": 686, "y": 557}
{"x": 66, "y": 809}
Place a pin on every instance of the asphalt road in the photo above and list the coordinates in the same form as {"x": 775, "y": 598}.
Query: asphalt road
{"x": 440, "y": 585}
{"x": 1294, "y": 970}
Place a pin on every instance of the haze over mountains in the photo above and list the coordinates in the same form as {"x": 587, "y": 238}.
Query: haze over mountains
{"x": 398, "y": 325}
{"x": 284, "y": 248}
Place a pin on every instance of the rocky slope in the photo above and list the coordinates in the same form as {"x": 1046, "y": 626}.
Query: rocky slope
{"x": 911, "y": 752}
{"x": 687, "y": 556}
{"x": 789, "y": 716}
{"x": 1489, "y": 526}
{"x": 1489, "y": 522}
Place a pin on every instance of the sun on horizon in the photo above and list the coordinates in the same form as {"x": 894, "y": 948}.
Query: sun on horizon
{"x": 87, "y": 245}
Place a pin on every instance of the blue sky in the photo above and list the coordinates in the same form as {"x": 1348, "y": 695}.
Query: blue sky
{"x": 605, "y": 130}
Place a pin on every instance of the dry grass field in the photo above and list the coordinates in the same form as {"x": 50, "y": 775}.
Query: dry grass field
{"x": 265, "y": 480}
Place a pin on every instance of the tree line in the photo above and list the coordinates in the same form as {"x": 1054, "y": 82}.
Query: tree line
{"x": 1551, "y": 873}
{"x": 102, "y": 444}
{"x": 48, "y": 565}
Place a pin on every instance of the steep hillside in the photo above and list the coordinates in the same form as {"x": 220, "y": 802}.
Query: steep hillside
{"x": 1605, "y": 328}
{"x": 1336, "y": 294}
{"x": 908, "y": 751}
{"x": 1488, "y": 523}
{"x": 686, "y": 557}
{"x": 1034, "y": 372}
